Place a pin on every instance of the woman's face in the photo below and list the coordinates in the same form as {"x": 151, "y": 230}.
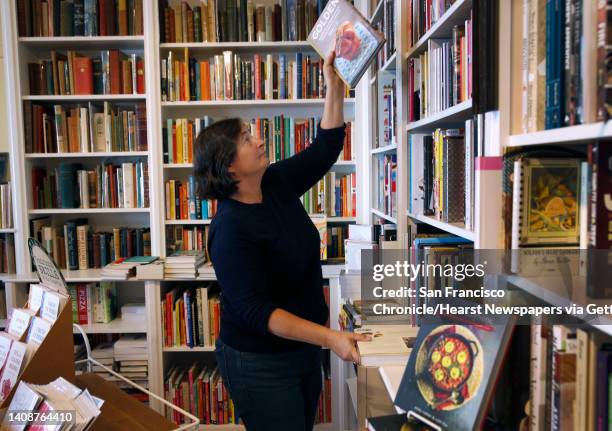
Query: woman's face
{"x": 251, "y": 157}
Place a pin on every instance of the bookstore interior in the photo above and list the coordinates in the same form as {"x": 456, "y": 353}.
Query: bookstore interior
{"x": 464, "y": 223}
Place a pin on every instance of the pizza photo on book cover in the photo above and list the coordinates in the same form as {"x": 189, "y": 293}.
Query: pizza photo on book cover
{"x": 453, "y": 368}
{"x": 341, "y": 27}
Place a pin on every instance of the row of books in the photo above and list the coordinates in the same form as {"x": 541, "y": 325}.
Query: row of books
{"x": 334, "y": 196}
{"x": 422, "y": 15}
{"x": 179, "y": 136}
{"x": 570, "y": 378}
{"x": 91, "y": 128}
{"x": 441, "y": 176}
{"x": 229, "y": 76}
{"x": 107, "y": 186}
{"x": 6, "y": 206}
{"x": 93, "y": 302}
{"x": 240, "y": 21}
{"x": 285, "y": 136}
{"x": 387, "y": 112}
{"x": 191, "y": 317}
{"x": 75, "y": 246}
{"x": 386, "y": 25}
{"x": 441, "y": 77}
{"x": 335, "y": 241}
{"x": 110, "y": 72}
{"x": 183, "y": 203}
{"x": 571, "y": 40}
{"x": 385, "y": 188}
{"x": 7, "y": 253}
{"x": 198, "y": 389}
{"x": 324, "y": 406}
{"x": 47, "y": 18}
{"x": 185, "y": 238}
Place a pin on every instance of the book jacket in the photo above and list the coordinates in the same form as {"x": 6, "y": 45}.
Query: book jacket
{"x": 341, "y": 27}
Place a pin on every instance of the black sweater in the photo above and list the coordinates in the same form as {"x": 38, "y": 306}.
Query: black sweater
{"x": 267, "y": 255}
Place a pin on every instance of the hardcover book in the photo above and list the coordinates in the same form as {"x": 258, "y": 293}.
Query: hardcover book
{"x": 452, "y": 370}
{"x": 343, "y": 28}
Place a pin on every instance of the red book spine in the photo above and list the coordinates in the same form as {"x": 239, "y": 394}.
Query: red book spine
{"x": 102, "y": 25}
{"x": 140, "y": 76}
{"x": 257, "y": 58}
{"x": 82, "y": 303}
{"x": 83, "y": 79}
{"x": 115, "y": 72}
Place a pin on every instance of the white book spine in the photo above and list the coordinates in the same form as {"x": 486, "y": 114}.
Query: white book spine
{"x": 128, "y": 185}
{"x": 516, "y": 204}
{"x": 84, "y": 129}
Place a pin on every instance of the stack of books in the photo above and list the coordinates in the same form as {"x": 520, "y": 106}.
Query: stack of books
{"x": 104, "y": 354}
{"x": 131, "y": 358}
{"x": 124, "y": 268}
{"x": 151, "y": 271}
{"x": 183, "y": 264}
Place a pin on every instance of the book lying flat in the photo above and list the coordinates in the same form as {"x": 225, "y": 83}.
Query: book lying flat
{"x": 341, "y": 27}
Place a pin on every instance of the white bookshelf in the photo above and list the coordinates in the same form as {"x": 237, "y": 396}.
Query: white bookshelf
{"x": 87, "y": 155}
{"x": 457, "y": 229}
{"x": 85, "y": 97}
{"x": 563, "y": 135}
{"x": 443, "y": 27}
{"x": 18, "y": 51}
{"x": 448, "y": 117}
{"x": 234, "y": 104}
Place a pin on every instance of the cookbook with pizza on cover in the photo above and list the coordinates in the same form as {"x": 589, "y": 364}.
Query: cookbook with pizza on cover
{"x": 341, "y": 27}
{"x": 452, "y": 370}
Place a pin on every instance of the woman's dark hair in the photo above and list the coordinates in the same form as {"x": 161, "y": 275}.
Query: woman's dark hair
{"x": 215, "y": 149}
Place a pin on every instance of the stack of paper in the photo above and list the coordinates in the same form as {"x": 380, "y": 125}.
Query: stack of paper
{"x": 183, "y": 264}
{"x": 58, "y": 395}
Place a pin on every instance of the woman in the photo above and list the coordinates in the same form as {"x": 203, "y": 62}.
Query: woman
{"x": 265, "y": 252}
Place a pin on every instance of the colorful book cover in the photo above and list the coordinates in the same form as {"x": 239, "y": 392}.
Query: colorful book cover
{"x": 549, "y": 207}
{"x": 452, "y": 370}
{"x": 343, "y": 28}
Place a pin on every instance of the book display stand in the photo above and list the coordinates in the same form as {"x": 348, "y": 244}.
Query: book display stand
{"x": 54, "y": 358}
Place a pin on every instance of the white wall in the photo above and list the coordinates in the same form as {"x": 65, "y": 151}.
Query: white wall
{"x": 4, "y": 145}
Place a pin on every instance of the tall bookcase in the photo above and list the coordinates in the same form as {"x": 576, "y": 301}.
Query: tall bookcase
{"x": 19, "y": 51}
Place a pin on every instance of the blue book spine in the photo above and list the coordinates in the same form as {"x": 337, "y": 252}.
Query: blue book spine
{"x": 188, "y": 333}
{"x": 79, "y": 17}
{"x": 191, "y": 196}
{"x": 298, "y": 83}
{"x": 169, "y": 122}
{"x": 198, "y": 93}
{"x": 103, "y": 250}
{"x": 554, "y": 63}
{"x": 71, "y": 238}
{"x": 292, "y": 19}
{"x": 204, "y": 209}
{"x": 90, "y": 18}
{"x": 283, "y": 73}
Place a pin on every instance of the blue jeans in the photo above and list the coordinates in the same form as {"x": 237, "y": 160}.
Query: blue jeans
{"x": 272, "y": 391}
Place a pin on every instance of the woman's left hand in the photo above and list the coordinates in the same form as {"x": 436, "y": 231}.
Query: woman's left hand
{"x": 343, "y": 344}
